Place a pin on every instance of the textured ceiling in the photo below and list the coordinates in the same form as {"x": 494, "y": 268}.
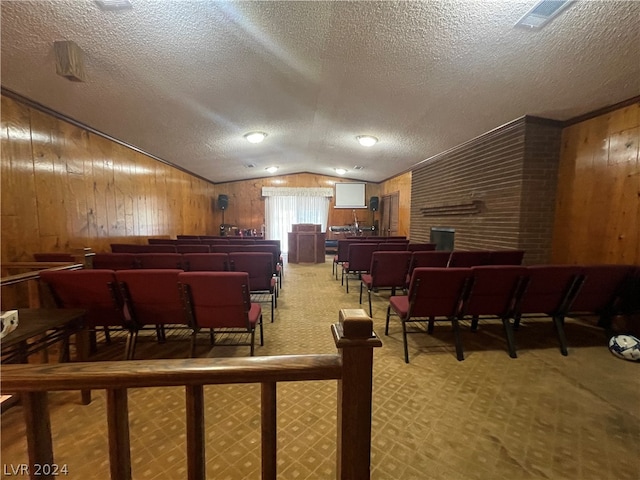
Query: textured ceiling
{"x": 184, "y": 80}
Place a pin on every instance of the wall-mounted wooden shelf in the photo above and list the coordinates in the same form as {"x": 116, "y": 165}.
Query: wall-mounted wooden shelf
{"x": 466, "y": 208}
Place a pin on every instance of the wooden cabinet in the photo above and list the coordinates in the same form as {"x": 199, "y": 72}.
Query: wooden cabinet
{"x": 306, "y": 244}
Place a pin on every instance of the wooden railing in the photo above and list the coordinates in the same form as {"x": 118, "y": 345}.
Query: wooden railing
{"x": 30, "y": 279}
{"x": 16, "y": 275}
{"x": 352, "y": 368}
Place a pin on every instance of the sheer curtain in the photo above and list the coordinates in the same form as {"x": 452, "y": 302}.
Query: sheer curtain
{"x": 282, "y": 211}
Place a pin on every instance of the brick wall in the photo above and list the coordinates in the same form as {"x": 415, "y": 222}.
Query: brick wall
{"x": 497, "y": 191}
{"x": 539, "y": 185}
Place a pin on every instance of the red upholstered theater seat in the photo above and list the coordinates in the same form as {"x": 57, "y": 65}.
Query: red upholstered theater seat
{"x": 221, "y": 301}
{"x": 434, "y": 294}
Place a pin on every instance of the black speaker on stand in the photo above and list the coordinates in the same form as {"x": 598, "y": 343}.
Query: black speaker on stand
{"x": 223, "y": 203}
{"x": 373, "y": 206}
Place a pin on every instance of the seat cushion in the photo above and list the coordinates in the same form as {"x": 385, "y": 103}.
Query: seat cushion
{"x": 367, "y": 279}
{"x": 400, "y": 304}
{"x": 254, "y": 313}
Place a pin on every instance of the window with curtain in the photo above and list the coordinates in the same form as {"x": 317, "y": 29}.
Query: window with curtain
{"x": 287, "y": 206}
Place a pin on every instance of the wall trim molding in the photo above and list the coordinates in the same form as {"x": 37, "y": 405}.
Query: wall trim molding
{"x": 512, "y": 125}
{"x": 601, "y": 111}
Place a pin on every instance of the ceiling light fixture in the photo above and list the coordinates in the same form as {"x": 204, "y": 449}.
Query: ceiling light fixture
{"x": 340, "y": 171}
{"x": 367, "y": 140}
{"x": 255, "y": 137}
{"x": 271, "y": 169}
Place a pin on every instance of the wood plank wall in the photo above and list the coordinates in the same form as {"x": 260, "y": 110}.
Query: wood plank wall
{"x": 598, "y": 205}
{"x": 64, "y": 188}
{"x": 246, "y": 204}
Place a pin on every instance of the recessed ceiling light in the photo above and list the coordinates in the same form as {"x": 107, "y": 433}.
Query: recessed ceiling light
{"x": 271, "y": 169}
{"x": 255, "y": 137}
{"x": 340, "y": 171}
{"x": 367, "y": 140}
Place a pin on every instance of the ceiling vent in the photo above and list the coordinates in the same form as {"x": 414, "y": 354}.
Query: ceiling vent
{"x": 114, "y": 4}
{"x": 542, "y": 13}
{"x": 69, "y": 60}
{"x": 358, "y": 167}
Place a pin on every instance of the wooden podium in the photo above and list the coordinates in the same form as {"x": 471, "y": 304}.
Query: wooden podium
{"x": 306, "y": 243}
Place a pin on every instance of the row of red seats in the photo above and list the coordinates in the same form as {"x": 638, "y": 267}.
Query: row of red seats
{"x": 135, "y": 299}
{"x": 272, "y": 246}
{"x": 259, "y": 264}
{"x": 364, "y": 249}
{"x": 183, "y": 261}
{"x": 217, "y": 237}
{"x": 360, "y": 260}
{"x": 512, "y": 293}
{"x": 393, "y": 269}
{"x": 195, "y": 246}
{"x": 208, "y": 239}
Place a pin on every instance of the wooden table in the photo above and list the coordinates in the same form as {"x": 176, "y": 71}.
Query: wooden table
{"x": 40, "y": 328}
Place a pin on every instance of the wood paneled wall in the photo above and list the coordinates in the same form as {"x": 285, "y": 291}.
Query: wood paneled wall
{"x": 246, "y": 204}
{"x": 598, "y": 205}
{"x": 64, "y": 187}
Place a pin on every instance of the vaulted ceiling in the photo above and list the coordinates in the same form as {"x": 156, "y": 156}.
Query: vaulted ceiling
{"x": 185, "y": 80}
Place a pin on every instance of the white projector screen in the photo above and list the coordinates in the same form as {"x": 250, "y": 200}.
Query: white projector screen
{"x": 350, "y": 195}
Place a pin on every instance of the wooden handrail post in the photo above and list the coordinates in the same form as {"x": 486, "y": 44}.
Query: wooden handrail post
{"x": 355, "y": 338}
{"x": 269, "y": 430}
{"x": 39, "y": 443}
{"x": 118, "y": 425}
{"x": 83, "y": 256}
{"x": 33, "y": 291}
{"x": 195, "y": 432}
